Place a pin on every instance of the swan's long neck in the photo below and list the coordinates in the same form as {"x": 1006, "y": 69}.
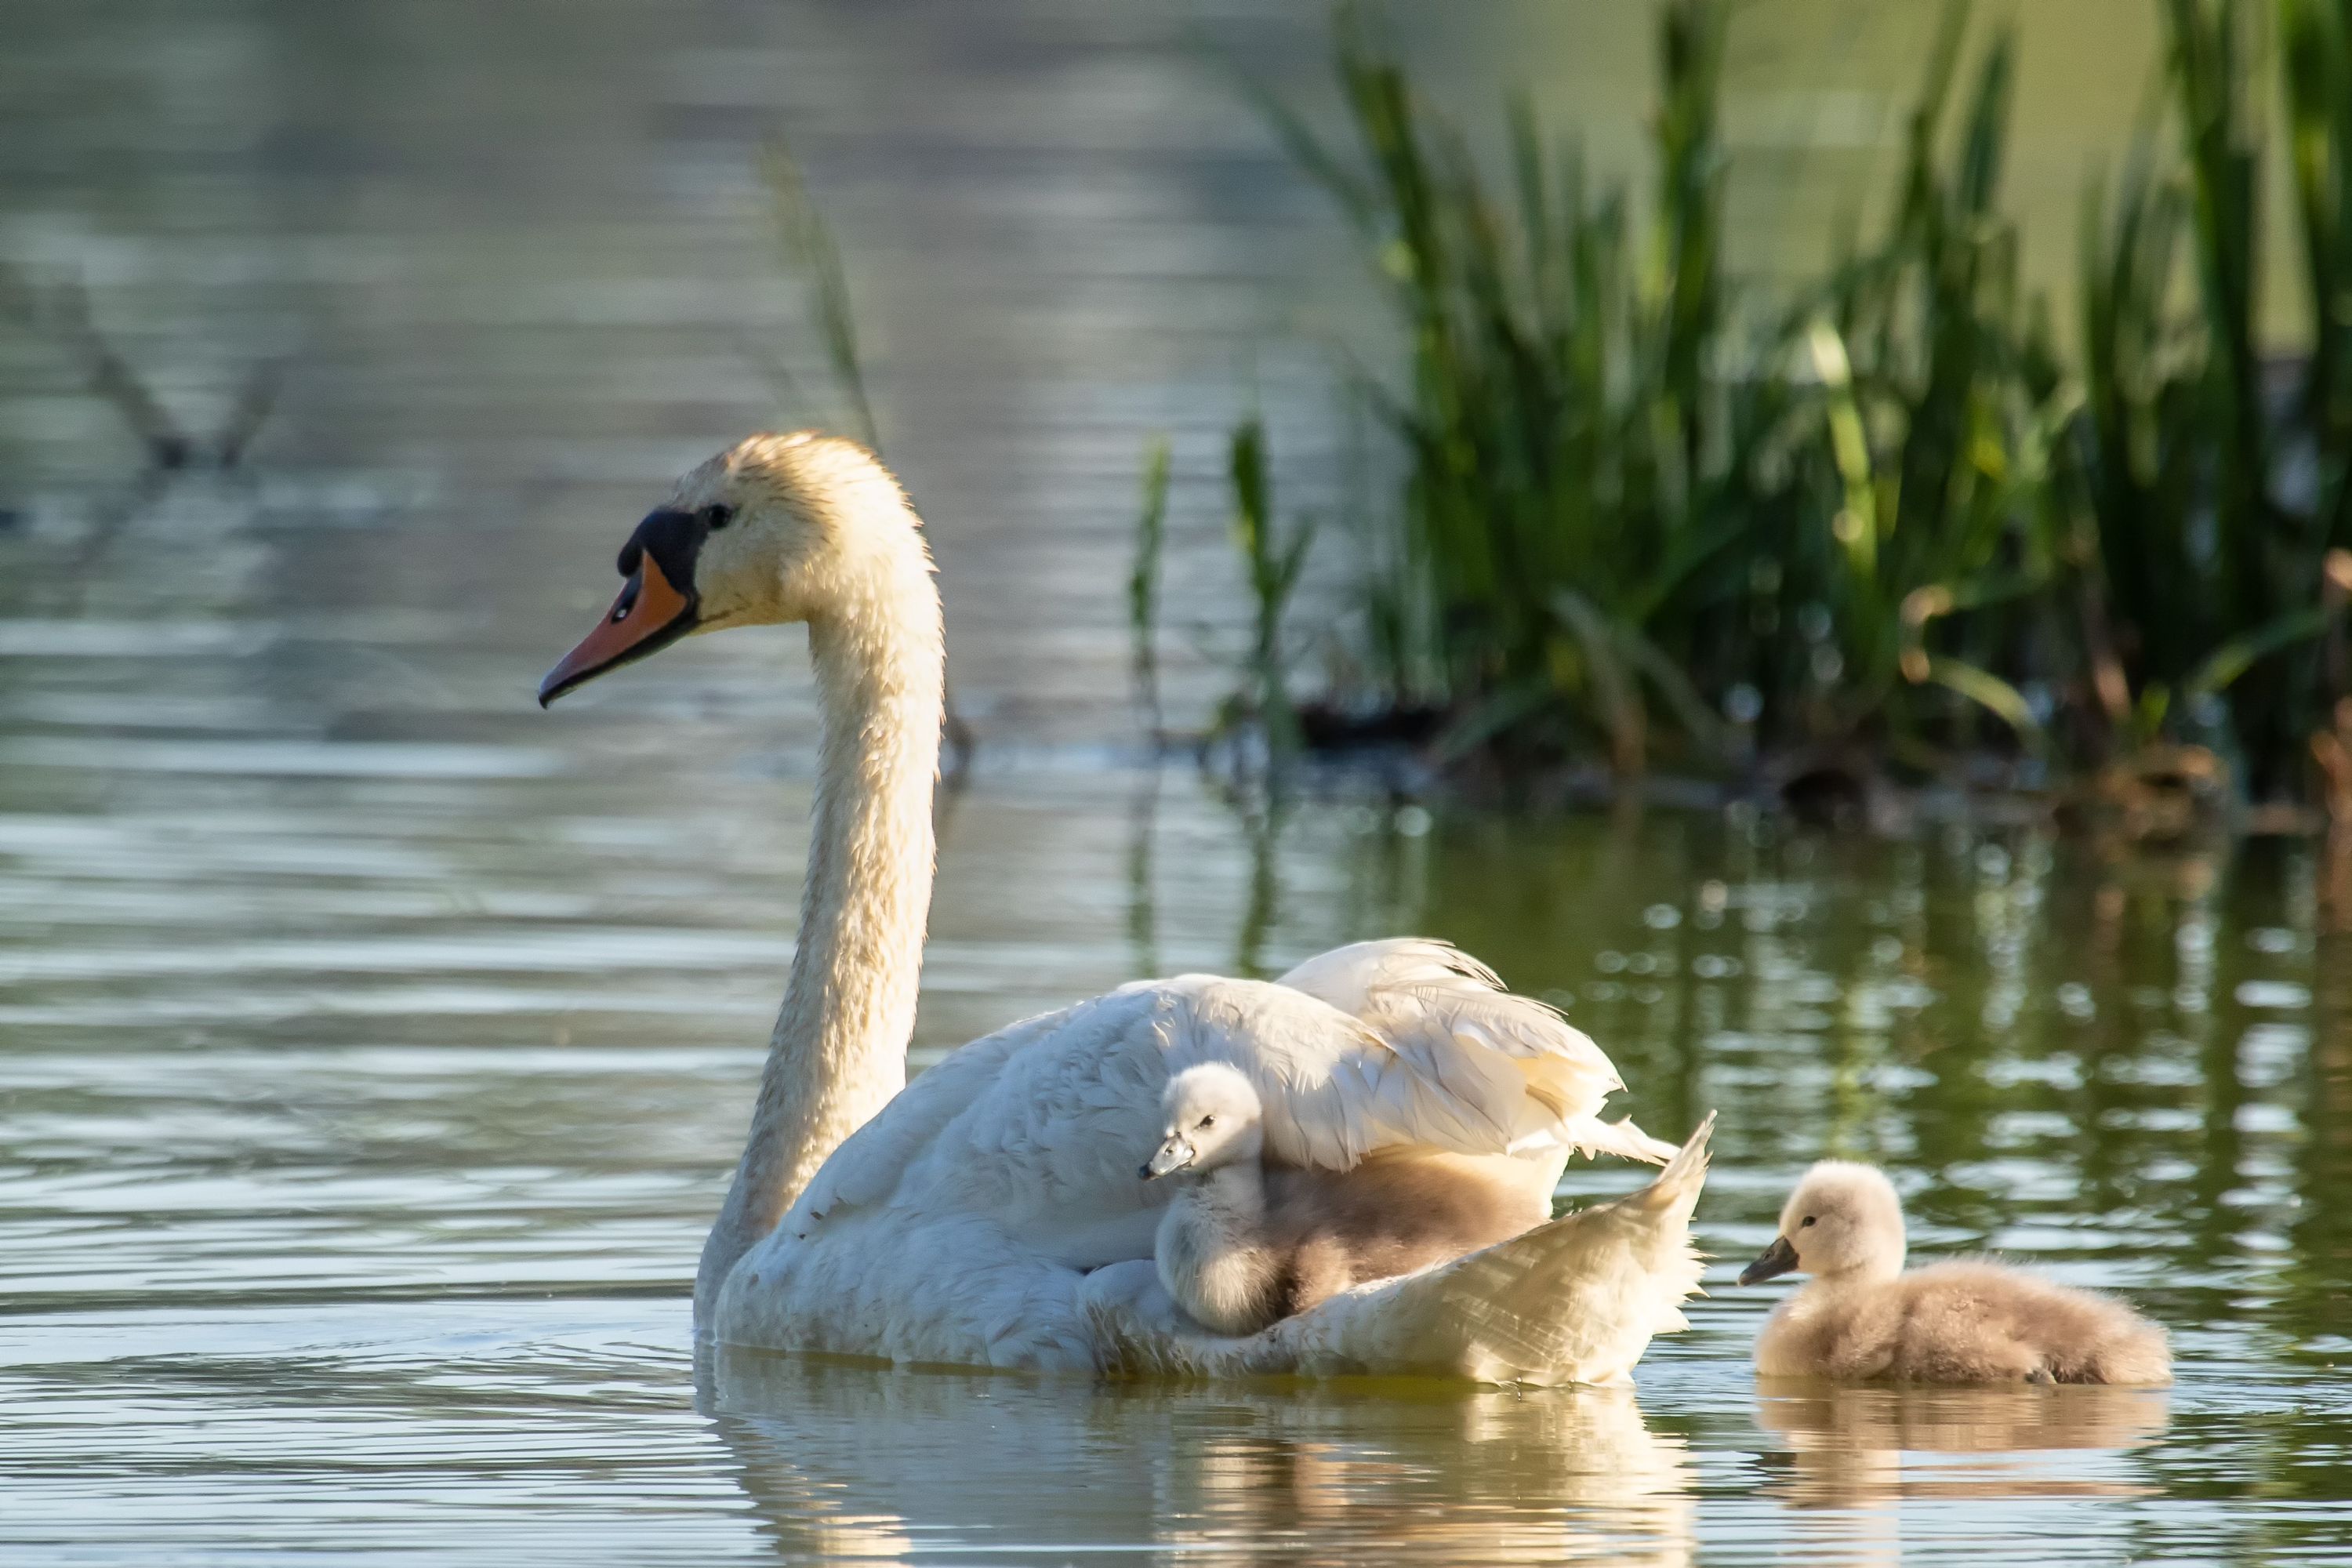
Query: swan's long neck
{"x": 838, "y": 1053}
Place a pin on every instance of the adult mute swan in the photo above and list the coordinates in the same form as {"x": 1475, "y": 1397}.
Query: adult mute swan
{"x": 990, "y": 1214}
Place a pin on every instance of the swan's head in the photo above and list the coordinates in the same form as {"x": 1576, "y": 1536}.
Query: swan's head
{"x": 1213, "y": 1119}
{"x": 776, "y": 528}
{"x": 1843, "y": 1218}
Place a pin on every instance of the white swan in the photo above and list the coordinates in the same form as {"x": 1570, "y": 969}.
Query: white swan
{"x": 990, "y": 1214}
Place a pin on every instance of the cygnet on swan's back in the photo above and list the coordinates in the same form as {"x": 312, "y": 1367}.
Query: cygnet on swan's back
{"x": 1388, "y": 1217}
{"x": 1214, "y": 1252}
{"x": 1242, "y": 1243}
{"x": 1862, "y": 1317}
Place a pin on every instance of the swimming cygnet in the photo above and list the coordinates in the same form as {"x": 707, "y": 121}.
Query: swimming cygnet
{"x": 1862, "y": 1317}
{"x": 1214, "y": 1252}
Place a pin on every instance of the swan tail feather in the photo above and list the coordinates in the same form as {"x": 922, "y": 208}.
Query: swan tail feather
{"x": 1590, "y": 1136}
{"x": 1575, "y": 1300}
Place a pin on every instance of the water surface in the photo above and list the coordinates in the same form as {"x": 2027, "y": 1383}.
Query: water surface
{"x": 373, "y": 1049}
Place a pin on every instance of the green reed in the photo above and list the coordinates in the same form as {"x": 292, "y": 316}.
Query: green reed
{"x": 2316, "y": 57}
{"x": 813, "y": 257}
{"x": 2213, "y": 45}
{"x": 2136, "y": 451}
{"x": 2315, "y": 47}
{"x": 2217, "y": 499}
{"x": 1636, "y": 501}
{"x": 2157, "y": 627}
{"x": 810, "y": 252}
{"x": 1143, "y": 587}
{"x": 1568, "y": 477}
{"x": 1272, "y": 559}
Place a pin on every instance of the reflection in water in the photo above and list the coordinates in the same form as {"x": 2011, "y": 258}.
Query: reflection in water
{"x": 1848, "y": 1442}
{"x": 2317, "y": 1260}
{"x": 852, "y": 1460}
{"x": 1142, "y": 914}
{"x": 1856, "y": 1456}
{"x": 1262, "y": 816}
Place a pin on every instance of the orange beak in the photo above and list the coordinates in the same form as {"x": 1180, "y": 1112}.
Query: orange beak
{"x": 649, "y": 616}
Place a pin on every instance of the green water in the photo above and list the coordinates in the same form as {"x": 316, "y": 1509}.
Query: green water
{"x": 374, "y": 1048}
{"x": 351, "y": 1202}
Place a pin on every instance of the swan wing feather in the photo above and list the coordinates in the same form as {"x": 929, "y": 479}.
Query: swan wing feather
{"x": 1042, "y": 1124}
{"x": 1538, "y": 1079}
{"x": 865, "y": 1169}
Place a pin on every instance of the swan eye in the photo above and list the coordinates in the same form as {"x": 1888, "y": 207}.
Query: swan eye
{"x": 716, "y": 515}
{"x": 1208, "y": 1121}
{"x": 1809, "y": 1219}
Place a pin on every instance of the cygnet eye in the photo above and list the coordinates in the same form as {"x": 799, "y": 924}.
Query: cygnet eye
{"x": 717, "y": 516}
{"x": 1208, "y": 1121}
{"x": 1809, "y": 1219}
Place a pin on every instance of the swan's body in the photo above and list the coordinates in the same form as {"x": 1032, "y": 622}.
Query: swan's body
{"x": 988, "y": 1213}
{"x": 1864, "y": 1318}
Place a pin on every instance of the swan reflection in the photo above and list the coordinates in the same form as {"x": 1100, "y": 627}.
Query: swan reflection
{"x": 851, "y": 1461}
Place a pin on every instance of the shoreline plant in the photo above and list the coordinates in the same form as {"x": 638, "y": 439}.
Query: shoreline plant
{"x": 1651, "y": 516}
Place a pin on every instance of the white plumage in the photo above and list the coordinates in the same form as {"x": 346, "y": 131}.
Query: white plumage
{"x": 959, "y": 1225}
{"x": 990, "y": 1213}
{"x": 1502, "y": 1065}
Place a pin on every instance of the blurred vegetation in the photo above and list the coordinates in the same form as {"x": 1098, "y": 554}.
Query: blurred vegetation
{"x": 1899, "y": 513}
{"x": 58, "y": 311}
{"x": 1143, "y": 587}
{"x": 812, "y": 257}
{"x": 810, "y": 254}
{"x": 1272, "y": 558}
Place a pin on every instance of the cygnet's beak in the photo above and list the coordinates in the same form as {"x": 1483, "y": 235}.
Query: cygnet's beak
{"x": 1174, "y": 1155}
{"x": 1778, "y": 1259}
{"x": 656, "y": 607}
